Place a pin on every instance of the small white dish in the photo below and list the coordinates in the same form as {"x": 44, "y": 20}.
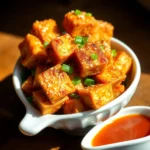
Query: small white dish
{"x": 79, "y": 123}
{"x": 137, "y": 144}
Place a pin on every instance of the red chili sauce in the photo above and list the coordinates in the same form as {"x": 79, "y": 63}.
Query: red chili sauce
{"x": 123, "y": 129}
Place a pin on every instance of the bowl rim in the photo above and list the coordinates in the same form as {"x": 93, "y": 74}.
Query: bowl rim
{"x": 89, "y": 112}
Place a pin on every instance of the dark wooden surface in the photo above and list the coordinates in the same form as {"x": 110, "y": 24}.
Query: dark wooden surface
{"x": 132, "y": 25}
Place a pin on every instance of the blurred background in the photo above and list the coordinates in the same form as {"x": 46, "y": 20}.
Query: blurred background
{"x": 131, "y": 19}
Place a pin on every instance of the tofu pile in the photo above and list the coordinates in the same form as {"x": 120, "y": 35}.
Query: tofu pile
{"x": 76, "y": 70}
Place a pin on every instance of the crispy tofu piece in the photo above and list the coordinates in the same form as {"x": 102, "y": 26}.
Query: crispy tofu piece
{"x": 74, "y": 106}
{"x": 105, "y": 47}
{"x": 61, "y": 48}
{"x": 27, "y": 86}
{"x": 39, "y": 69}
{"x": 82, "y": 24}
{"x": 44, "y": 105}
{"x": 90, "y": 59}
{"x": 123, "y": 62}
{"x": 45, "y": 30}
{"x": 97, "y": 96}
{"x": 118, "y": 90}
{"x": 32, "y": 52}
{"x": 104, "y": 31}
{"x": 110, "y": 75}
{"x": 55, "y": 83}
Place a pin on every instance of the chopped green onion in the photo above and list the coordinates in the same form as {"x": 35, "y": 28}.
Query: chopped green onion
{"x": 46, "y": 44}
{"x": 78, "y": 39}
{"x": 76, "y": 80}
{"x": 80, "y": 45}
{"x": 74, "y": 95}
{"x": 114, "y": 52}
{"x": 102, "y": 47}
{"x": 94, "y": 56}
{"x": 33, "y": 72}
{"x": 77, "y": 12}
{"x": 85, "y": 40}
{"x": 81, "y": 40}
{"x": 29, "y": 99}
{"x": 67, "y": 68}
{"x": 89, "y": 81}
{"x": 88, "y": 14}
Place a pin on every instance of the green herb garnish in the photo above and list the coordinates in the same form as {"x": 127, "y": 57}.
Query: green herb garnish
{"x": 89, "y": 81}
{"x": 46, "y": 44}
{"x": 81, "y": 41}
{"x": 78, "y": 39}
{"x": 67, "y": 68}
{"x": 114, "y": 52}
{"x": 76, "y": 80}
{"x": 94, "y": 56}
{"x": 88, "y": 14}
{"x": 77, "y": 12}
{"x": 102, "y": 47}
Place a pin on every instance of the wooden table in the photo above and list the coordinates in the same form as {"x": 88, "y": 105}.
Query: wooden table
{"x": 12, "y": 110}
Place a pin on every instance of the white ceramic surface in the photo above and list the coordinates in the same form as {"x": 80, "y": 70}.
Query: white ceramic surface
{"x": 138, "y": 144}
{"x": 79, "y": 123}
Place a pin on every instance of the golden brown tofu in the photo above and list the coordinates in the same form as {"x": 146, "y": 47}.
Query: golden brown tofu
{"x": 32, "y": 52}
{"x": 44, "y": 105}
{"x": 97, "y": 96}
{"x": 106, "y": 49}
{"x": 27, "y": 86}
{"x": 104, "y": 31}
{"x": 55, "y": 83}
{"x": 82, "y": 24}
{"x": 39, "y": 69}
{"x": 45, "y": 30}
{"x": 90, "y": 59}
{"x": 118, "y": 90}
{"x": 110, "y": 75}
{"x": 61, "y": 48}
{"x": 74, "y": 106}
{"x": 123, "y": 62}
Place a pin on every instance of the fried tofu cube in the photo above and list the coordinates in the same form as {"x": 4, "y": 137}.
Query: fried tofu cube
{"x": 45, "y": 30}
{"x": 118, "y": 90}
{"x": 82, "y": 24}
{"x": 110, "y": 75}
{"x": 97, "y": 96}
{"x": 55, "y": 83}
{"x": 115, "y": 73}
{"x": 123, "y": 62}
{"x": 61, "y": 48}
{"x": 39, "y": 69}
{"x": 32, "y": 52}
{"x": 74, "y": 106}
{"x": 104, "y": 31}
{"x": 27, "y": 86}
{"x": 90, "y": 59}
{"x": 44, "y": 105}
{"x": 106, "y": 49}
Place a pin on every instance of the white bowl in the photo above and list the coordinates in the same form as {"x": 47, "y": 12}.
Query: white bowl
{"x": 79, "y": 123}
{"x": 137, "y": 144}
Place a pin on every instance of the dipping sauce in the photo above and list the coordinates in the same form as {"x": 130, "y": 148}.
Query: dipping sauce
{"x": 126, "y": 128}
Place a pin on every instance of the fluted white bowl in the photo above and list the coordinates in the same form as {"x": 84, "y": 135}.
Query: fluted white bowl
{"x": 79, "y": 123}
